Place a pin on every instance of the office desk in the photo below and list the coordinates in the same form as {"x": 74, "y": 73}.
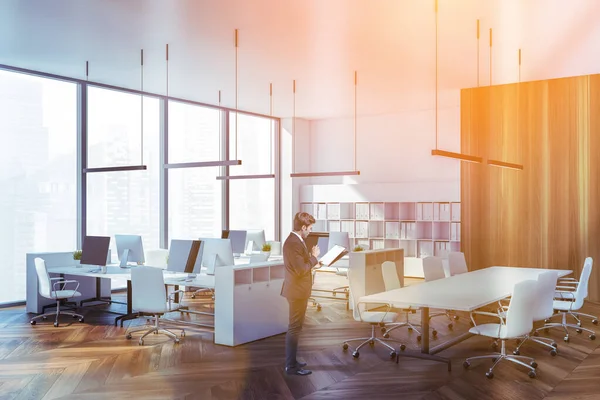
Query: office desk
{"x": 464, "y": 292}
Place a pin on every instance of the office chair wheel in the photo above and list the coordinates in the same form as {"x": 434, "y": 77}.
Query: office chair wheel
{"x": 578, "y": 330}
{"x": 595, "y": 321}
{"x": 579, "y": 323}
{"x": 372, "y": 343}
{"x": 489, "y": 375}
{"x": 44, "y": 318}
{"x": 128, "y": 336}
{"x": 592, "y": 337}
{"x": 466, "y": 365}
{"x": 386, "y": 335}
{"x": 383, "y": 330}
{"x": 345, "y": 346}
{"x": 81, "y": 320}
{"x": 553, "y": 352}
{"x": 434, "y": 332}
{"x": 410, "y": 329}
{"x": 566, "y": 339}
{"x": 382, "y": 324}
{"x": 356, "y": 354}
{"x": 456, "y": 317}
{"x": 318, "y": 307}
{"x": 516, "y": 352}
{"x": 182, "y": 333}
{"x": 402, "y": 347}
{"x": 531, "y": 374}
{"x": 176, "y": 341}
{"x": 533, "y": 364}
{"x": 450, "y": 325}
{"x": 554, "y": 344}
{"x": 419, "y": 338}
{"x": 393, "y": 355}
{"x": 56, "y": 324}
{"x": 536, "y": 333}
{"x": 32, "y": 322}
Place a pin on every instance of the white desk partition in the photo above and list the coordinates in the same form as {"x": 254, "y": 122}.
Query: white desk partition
{"x": 87, "y": 285}
{"x": 248, "y": 304}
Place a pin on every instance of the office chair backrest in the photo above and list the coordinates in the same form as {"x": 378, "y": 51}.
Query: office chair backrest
{"x": 457, "y": 263}
{"x": 148, "y": 289}
{"x": 356, "y": 283}
{"x": 545, "y": 296}
{"x": 43, "y": 278}
{"x": 433, "y": 268}
{"x": 519, "y": 317}
{"x": 390, "y": 276}
{"x": 582, "y": 288}
{"x": 156, "y": 258}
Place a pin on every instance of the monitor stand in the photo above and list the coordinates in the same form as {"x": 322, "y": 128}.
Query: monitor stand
{"x": 249, "y": 247}
{"x": 124, "y": 257}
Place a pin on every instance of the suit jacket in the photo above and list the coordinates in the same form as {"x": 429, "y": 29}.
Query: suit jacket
{"x": 298, "y": 263}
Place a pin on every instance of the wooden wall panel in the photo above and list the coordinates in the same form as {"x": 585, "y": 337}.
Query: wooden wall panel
{"x": 546, "y": 215}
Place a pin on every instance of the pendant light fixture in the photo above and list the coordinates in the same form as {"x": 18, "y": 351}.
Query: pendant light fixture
{"x": 219, "y": 163}
{"x": 497, "y": 163}
{"x": 141, "y": 166}
{"x": 258, "y": 176}
{"x": 334, "y": 173}
{"x": 436, "y": 151}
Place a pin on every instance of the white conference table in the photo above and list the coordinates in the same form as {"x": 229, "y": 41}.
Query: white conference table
{"x": 464, "y": 292}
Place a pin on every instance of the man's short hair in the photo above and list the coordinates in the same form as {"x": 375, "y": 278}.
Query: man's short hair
{"x": 303, "y": 219}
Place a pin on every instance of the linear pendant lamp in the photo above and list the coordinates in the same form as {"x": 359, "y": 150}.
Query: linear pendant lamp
{"x": 141, "y": 166}
{"x": 315, "y": 174}
{"x": 497, "y": 163}
{"x": 216, "y": 163}
{"x": 436, "y": 151}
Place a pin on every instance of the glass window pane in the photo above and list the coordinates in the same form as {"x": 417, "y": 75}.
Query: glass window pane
{"x": 254, "y": 144}
{"x": 115, "y": 128}
{"x": 195, "y": 203}
{"x": 38, "y": 173}
{"x": 125, "y": 202}
{"x": 194, "y": 133}
{"x": 252, "y": 205}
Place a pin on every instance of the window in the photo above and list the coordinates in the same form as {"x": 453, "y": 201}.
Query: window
{"x": 38, "y": 173}
{"x": 124, "y": 202}
{"x": 252, "y": 201}
{"x": 194, "y": 133}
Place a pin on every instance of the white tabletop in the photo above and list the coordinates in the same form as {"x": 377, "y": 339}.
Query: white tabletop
{"x": 464, "y": 292}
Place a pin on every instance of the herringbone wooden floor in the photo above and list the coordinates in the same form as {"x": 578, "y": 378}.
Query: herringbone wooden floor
{"x": 93, "y": 360}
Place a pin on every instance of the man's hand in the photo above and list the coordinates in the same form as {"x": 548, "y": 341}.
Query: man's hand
{"x": 316, "y": 251}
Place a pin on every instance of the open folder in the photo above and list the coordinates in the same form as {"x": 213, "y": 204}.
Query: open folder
{"x": 334, "y": 254}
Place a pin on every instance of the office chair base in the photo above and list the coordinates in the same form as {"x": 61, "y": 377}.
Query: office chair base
{"x": 548, "y": 342}
{"x": 156, "y": 329}
{"x": 80, "y": 317}
{"x": 563, "y": 324}
{"x": 371, "y": 341}
{"x": 525, "y": 361}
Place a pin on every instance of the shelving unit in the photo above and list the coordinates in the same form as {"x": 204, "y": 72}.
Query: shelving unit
{"x": 420, "y": 228}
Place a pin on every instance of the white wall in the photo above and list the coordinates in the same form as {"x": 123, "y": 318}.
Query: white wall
{"x": 392, "y": 150}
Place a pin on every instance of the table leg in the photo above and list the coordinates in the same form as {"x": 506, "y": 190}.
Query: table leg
{"x": 130, "y": 314}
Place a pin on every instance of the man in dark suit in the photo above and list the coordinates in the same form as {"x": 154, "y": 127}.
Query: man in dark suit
{"x": 297, "y": 286}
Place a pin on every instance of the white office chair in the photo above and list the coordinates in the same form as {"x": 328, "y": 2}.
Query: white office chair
{"x": 542, "y": 310}
{"x": 391, "y": 282}
{"x": 573, "y": 301}
{"x": 457, "y": 263}
{"x": 375, "y": 318}
{"x": 157, "y": 258}
{"x": 433, "y": 269}
{"x": 518, "y": 322}
{"x": 149, "y": 297}
{"x": 67, "y": 290}
{"x": 570, "y": 285}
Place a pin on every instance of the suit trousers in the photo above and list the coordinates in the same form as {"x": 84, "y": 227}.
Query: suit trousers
{"x": 297, "y": 313}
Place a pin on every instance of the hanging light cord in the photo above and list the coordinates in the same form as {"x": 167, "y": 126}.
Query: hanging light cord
{"x": 355, "y": 84}
{"x": 236, "y": 92}
{"x": 271, "y": 125}
{"x": 294, "y": 128}
{"x": 436, "y": 74}
{"x": 142, "y": 107}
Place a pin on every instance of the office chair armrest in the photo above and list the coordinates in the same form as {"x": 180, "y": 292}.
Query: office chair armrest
{"x": 58, "y": 278}
{"x": 65, "y": 284}
{"x": 569, "y": 295}
{"x": 489, "y": 314}
{"x": 387, "y": 305}
{"x": 567, "y": 279}
{"x": 171, "y": 296}
{"x": 571, "y": 288}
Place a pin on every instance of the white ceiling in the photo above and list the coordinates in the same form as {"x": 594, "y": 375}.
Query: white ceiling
{"x": 391, "y": 43}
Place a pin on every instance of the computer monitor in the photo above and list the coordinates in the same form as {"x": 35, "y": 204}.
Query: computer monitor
{"x": 183, "y": 256}
{"x": 95, "y": 250}
{"x": 238, "y": 241}
{"x": 257, "y": 236}
{"x": 216, "y": 253}
{"x": 129, "y": 249}
{"x": 313, "y": 239}
{"x": 340, "y": 239}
